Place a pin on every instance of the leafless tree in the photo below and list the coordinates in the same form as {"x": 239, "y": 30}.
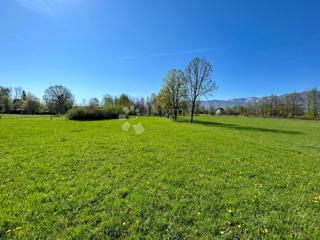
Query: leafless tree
{"x": 269, "y": 105}
{"x": 108, "y": 100}
{"x": 17, "y": 93}
{"x": 293, "y": 103}
{"x": 313, "y": 102}
{"x": 58, "y": 98}
{"x": 199, "y": 81}
{"x": 274, "y": 104}
{"x": 94, "y": 102}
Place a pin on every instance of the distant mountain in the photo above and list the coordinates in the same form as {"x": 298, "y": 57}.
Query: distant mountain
{"x": 241, "y": 101}
{"x": 229, "y": 103}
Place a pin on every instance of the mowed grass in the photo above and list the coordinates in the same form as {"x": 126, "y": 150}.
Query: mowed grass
{"x": 220, "y": 178}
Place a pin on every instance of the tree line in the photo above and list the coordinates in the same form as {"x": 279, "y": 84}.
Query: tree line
{"x": 180, "y": 93}
{"x": 291, "y": 105}
{"x": 56, "y": 100}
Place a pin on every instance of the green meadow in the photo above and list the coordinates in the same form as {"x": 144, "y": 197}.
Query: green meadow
{"x": 219, "y": 178}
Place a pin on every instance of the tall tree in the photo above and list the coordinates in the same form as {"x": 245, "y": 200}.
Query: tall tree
{"x": 124, "y": 100}
{"x": 32, "y": 104}
{"x": 152, "y": 104}
{"x": 58, "y": 98}
{"x": 17, "y": 93}
{"x": 175, "y": 82}
{"x": 313, "y": 102}
{"x": 94, "y": 102}
{"x": 293, "y": 104}
{"x": 274, "y": 104}
{"x": 5, "y": 100}
{"x": 199, "y": 81}
{"x": 24, "y": 95}
{"x": 108, "y": 100}
{"x": 163, "y": 103}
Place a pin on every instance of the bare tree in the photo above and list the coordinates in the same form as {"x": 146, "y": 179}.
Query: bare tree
{"x": 269, "y": 105}
{"x": 152, "y": 106}
{"x": 18, "y": 93}
{"x": 108, "y": 100}
{"x": 175, "y": 82}
{"x": 199, "y": 81}
{"x": 58, "y": 98}
{"x": 94, "y": 102}
{"x": 265, "y": 106}
{"x": 313, "y": 102}
{"x": 274, "y": 104}
{"x": 293, "y": 103}
{"x": 149, "y": 105}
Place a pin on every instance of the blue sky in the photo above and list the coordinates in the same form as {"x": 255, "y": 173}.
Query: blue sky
{"x": 94, "y": 47}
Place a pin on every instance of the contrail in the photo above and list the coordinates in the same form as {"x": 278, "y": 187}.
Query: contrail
{"x": 20, "y": 38}
{"x": 167, "y": 53}
{"x": 44, "y": 7}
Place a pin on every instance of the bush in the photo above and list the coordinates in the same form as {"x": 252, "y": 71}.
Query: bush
{"x": 114, "y": 108}
{"x": 91, "y": 113}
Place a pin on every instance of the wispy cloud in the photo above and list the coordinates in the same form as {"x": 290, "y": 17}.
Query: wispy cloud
{"x": 167, "y": 53}
{"x": 19, "y": 37}
{"x": 48, "y": 8}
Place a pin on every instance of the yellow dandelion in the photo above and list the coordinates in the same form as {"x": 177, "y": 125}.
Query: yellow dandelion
{"x": 316, "y": 199}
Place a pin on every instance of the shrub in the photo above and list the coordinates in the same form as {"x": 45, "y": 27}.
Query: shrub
{"x": 114, "y": 108}
{"x": 91, "y": 113}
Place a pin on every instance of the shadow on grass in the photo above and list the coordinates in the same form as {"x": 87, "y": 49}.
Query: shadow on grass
{"x": 239, "y": 127}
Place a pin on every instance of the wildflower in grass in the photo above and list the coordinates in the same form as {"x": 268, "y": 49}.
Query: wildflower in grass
{"x": 199, "y": 213}
{"x": 316, "y": 199}
{"x": 239, "y": 226}
{"x": 230, "y": 210}
{"x": 264, "y": 230}
{"x": 124, "y": 223}
{"x": 221, "y": 232}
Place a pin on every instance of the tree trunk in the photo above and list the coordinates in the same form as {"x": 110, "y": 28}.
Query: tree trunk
{"x": 192, "y": 110}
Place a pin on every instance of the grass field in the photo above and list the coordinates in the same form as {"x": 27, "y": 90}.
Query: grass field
{"x": 221, "y": 178}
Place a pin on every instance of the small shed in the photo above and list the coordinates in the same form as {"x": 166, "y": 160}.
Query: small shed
{"x": 220, "y": 111}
